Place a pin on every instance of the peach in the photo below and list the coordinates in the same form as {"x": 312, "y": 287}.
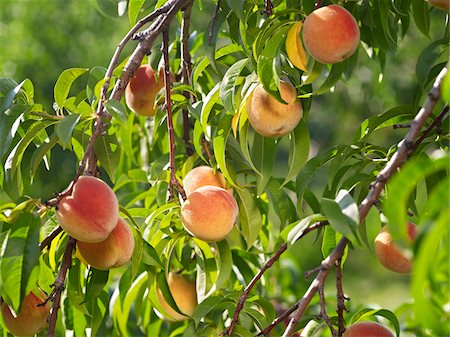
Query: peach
{"x": 367, "y": 329}
{"x": 91, "y": 212}
{"x": 31, "y": 318}
{"x": 270, "y": 117}
{"x": 113, "y": 252}
{"x": 442, "y": 4}
{"x": 209, "y": 213}
{"x": 184, "y": 294}
{"x": 141, "y": 91}
{"x": 331, "y": 34}
{"x": 202, "y": 176}
{"x": 390, "y": 255}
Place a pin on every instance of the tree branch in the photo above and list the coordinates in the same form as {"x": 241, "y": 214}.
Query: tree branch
{"x": 261, "y": 272}
{"x": 173, "y": 183}
{"x": 407, "y": 145}
{"x": 48, "y": 240}
{"x": 55, "y": 295}
{"x": 340, "y": 297}
{"x": 186, "y": 71}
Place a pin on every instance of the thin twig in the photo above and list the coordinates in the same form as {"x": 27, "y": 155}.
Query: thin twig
{"x": 186, "y": 71}
{"x": 397, "y": 160}
{"x": 278, "y": 320}
{"x": 58, "y": 286}
{"x": 213, "y": 22}
{"x": 173, "y": 183}
{"x": 323, "y": 310}
{"x": 435, "y": 123}
{"x": 48, "y": 240}
{"x": 261, "y": 272}
{"x": 340, "y": 297}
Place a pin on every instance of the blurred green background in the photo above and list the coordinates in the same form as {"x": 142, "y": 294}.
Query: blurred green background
{"x": 41, "y": 38}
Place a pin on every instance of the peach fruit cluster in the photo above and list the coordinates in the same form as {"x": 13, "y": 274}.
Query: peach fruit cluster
{"x": 91, "y": 216}
{"x": 210, "y": 210}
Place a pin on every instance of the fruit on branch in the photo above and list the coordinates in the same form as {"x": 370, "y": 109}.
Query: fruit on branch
{"x": 31, "y": 318}
{"x": 113, "y": 252}
{"x": 209, "y": 213}
{"x": 367, "y": 329}
{"x": 331, "y": 34}
{"x": 91, "y": 212}
{"x": 270, "y": 117}
{"x": 202, "y": 176}
{"x": 442, "y": 4}
{"x": 141, "y": 91}
{"x": 294, "y": 47}
{"x": 184, "y": 294}
{"x": 391, "y": 255}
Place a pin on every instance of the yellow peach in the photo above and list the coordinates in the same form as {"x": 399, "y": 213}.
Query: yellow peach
{"x": 184, "y": 294}
{"x": 91, "y": 212}
{"x": 141, "y": 91}
{"x": 113, "y": 252}
{"x": 390, "y": 255}
{"x": 209, "y": 213}
{"x": 331, "y": 34}
{"x": 270, "y": 117}
{"x": 202, "y": 176}
{"x": 367, "y": 329}
{"x": 31, "y": 319}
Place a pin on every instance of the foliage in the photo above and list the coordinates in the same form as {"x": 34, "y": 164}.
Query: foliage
{"x": 282, "y": 187}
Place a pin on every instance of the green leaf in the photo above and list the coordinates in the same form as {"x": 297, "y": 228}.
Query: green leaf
{"x": 333, "y": 77}
{"x": 210, "y": 100}
{"x": 65, "y": 127}
{"x": 20, "y": 255}
{"x": 421, "y": 15}
{"x": 9, "y": 88}
{"x": 134, "y": 7}
{"x": 107, "y": 150}
{"x": 224, "y": 262}
{"x": 97, "y": 280}
{"x": 250, "y": 218}
{"x": 228, "y": 84}
{"x": 117, "y": 110}
{"x": 343, "y": 215}
{"x": 264, "y": 156}
{"x": 64, "y": 83}
{"x": 294, "y": 232}
{"x": 298, "y": 151}
{"x": 219, "y": 145}
{"x": 41, "y": 152}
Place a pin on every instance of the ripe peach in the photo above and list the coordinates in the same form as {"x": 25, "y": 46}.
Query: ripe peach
{"x": 184, "y": 294}
{"x": 141, "y": 91}
{"x": 202, "y": 176}
{"x": 31, "y": 318}
{"x": 209, "y": 213}
{"x": 113, "y": 252}
{"x": 91, "y": 212}
{"x": 442, "y": 4}
{"x": 270, "y": 117}
{"x": 331, "y": 34}
{"x": 367, "y": 329}
{"x": 390, "y": 255}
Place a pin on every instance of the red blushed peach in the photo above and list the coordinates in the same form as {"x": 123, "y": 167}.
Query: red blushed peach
{"x": 31, "y": 319}
{"x": 209, "y": 213}
{"x": 141, "y": 91}
{"x": 202, "y": 176}
{"x": 113, "y": 252}
{"x": 390, "y": 255}
{"x": 331, "y": 34}
{"x": 367, "y": 329}
{"x": 270, "y": 117}
{"x": 184, "y": 294}
{"x": 91, "y": 212}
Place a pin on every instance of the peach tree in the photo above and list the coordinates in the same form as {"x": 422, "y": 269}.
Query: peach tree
{"x": 214, "y": 255}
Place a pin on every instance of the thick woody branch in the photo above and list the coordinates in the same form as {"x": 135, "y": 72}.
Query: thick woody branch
{"x": 406, "y": 147}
